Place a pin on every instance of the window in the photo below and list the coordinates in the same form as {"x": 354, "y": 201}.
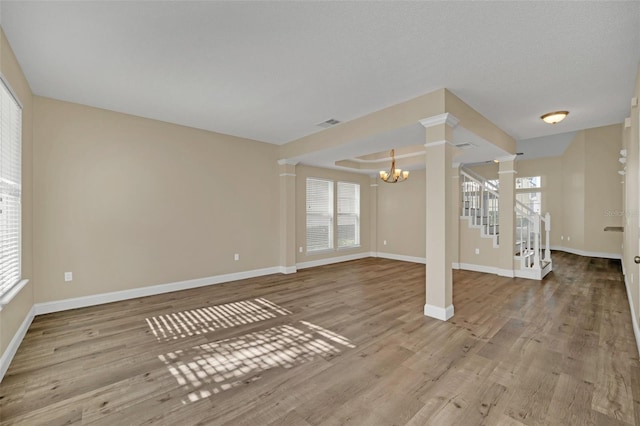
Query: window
{"x": 319, "y": 215}
{"x": 348, "y": 215}
{"x": 528, "y": 192}
{"x": 10, "y": 189}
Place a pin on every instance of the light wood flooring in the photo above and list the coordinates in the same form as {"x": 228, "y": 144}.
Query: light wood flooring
{"x": 340, "y": 344}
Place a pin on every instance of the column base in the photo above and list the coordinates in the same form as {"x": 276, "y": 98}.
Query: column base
{"x": 437, "y": 312}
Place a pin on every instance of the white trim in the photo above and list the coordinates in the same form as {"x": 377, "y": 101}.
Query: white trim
{"x": 479, "y": 268}
{"x": 330, "y": 260}
{"x": 436, "y": 120}
{"x": 529, "y": 273}
{"x": 386, "y": 159}
{"x": 504, "y": 172}
{"x": 116, "y": 296}
{"x": 510, "y": 273}
{"x": 288, "y": 269}
{"x": 8, "y": 296}
{"x": 455, "y": 165}
{"x": 12, "y": 92}
{"x": 634, "y": 319}
{"x": 437, "y": 143}
{"x": 437, "y": 312}
{"x": 402, "y": 257}
{"x": 11, "y": 350}
{"x": 455, "y": 265}
{"x": 588, "y": 253}
{"x": 287, "y": 161}
{"x": 507, "y": 158}
{"x": 287, "y": 174}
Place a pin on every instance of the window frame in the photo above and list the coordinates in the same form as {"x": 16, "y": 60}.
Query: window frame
{"x": 11, "y": 187}
{"x": 355, "y": 215}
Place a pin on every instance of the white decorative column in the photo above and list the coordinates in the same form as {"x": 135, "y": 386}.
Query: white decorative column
{"x": 438, "y": 160}
{"x": 373, "y": 214}
{"x": 287, "y": 171}
{"x": 454, "y": 232}
{"x": 507, "y": 222}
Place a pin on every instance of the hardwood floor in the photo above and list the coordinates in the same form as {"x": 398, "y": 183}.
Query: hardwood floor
{"x": 340, "y": 344}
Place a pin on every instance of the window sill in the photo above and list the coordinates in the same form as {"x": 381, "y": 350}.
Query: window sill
{"x": 11, "y": 293}
{"x": 349, "y": 248}
{"x": 324, "y": 251}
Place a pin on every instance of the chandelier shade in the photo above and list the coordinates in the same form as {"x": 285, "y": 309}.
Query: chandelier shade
{"x": 394, "y": 175}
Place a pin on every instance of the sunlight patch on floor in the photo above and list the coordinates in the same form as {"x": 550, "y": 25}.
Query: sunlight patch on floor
{"x": 218, "y": 366}
{"x": 207, "y": 319}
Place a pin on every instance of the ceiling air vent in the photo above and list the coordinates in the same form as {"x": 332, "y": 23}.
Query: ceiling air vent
{"x": 465, "y": 145}
{"x": 330, "y": 122}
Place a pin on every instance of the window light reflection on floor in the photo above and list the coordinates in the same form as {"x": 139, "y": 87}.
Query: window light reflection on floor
{"x": 217, "y": 366}
{"x": 207, "y": 319}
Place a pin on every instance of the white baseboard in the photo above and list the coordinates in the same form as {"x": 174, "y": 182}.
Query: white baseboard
{"x": 479, "y": 268}
{"x": 634, "y": 319}
{"x": 455, "y": 265}
{"x": 529, "y": 273}
{"x": 11, "y": 350}
{"x": 116, "y": 296}
{"x": 588, "y": 253}
{"x": 330, "y": 260}
{"x": 288, "y": 269}
{"x": 413, "y": 259}
{"x": 437, "y": 312}
{"x": 509, "y": 273}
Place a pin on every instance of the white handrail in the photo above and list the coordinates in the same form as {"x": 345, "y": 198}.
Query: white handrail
{"x": 480, "y": 203}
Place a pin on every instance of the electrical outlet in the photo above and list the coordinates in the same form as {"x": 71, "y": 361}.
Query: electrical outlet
{"x": 477, "y": 251}
{"x": 68, "y": 276}
{"x": 300, "y": 249}
{"x": 384, "y": 243}
{"x": 562, "y": 237}
{"x": 568, "y": 238}
{"x": 236, "y": 256}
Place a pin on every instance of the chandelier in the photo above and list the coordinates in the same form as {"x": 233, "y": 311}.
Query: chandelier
{"x": 394, "y": 175}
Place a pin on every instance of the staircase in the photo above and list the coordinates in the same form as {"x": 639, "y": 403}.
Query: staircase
{"x": 480, "y": 203}
{"x": 480, "y": 200}
{"x": 530, "y": 258}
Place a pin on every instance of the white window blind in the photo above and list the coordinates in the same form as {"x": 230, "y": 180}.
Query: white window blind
{"x": 10, "y": 189}
{"x": 348, "y": 214}
{"x": 319, "y": 215}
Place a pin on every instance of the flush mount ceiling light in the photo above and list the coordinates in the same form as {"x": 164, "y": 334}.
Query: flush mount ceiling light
{"x": 554, "y": 117}
{"x": 394, "y": 175}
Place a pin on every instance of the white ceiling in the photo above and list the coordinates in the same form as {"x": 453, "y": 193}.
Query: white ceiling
{"x": 272, "y": 70}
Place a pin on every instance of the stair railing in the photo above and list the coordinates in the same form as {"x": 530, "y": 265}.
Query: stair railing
{"x": 528, "y": 232}
{"x": 480, "y": 202}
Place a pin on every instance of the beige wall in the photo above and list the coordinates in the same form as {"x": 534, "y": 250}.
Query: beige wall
{"x": 302, "y": 173}
{"x": 13, "y": 314}
{"x": 401, "y": 214}
{"x": 125, "y": 202}
{"x": 573, "y": 196}
{"x": 603, "y": 194}
{"x": 470, "y": 240}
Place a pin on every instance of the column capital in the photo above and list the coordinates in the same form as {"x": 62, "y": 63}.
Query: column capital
{"x": 507, "y": 158}
{"x": 437, "y": 143}
{"x": 436, "y": 120}
{"x": 287, "y": 161}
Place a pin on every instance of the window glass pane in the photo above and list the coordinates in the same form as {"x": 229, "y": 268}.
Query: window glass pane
{"x": 528, "y": 182}
{"x": 533, "y": 200}
{"x": 348, "y": 214}
{"x": 319, "y": 200}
